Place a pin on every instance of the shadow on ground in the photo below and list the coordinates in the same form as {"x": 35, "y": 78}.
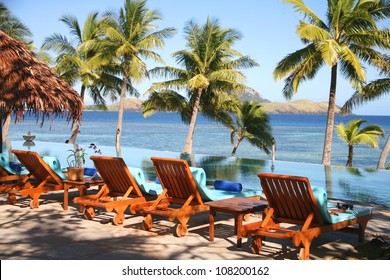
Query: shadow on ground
{"x": 51, "y": 233}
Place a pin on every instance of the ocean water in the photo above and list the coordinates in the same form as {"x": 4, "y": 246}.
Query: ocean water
{"x": 299, "y": 138}
{"x": 299, "y": 143}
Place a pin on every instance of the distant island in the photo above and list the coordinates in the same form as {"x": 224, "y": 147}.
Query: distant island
{"x": 290, "y": 107}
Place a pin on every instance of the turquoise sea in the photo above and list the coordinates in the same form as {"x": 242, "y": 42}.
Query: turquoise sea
{"x": 299, "y": 138}
{"x": 299, "y": 144}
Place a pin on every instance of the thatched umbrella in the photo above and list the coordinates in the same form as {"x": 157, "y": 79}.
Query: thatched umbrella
{"x": 28, "y": 85}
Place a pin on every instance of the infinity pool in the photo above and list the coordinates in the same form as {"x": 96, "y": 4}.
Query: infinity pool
{"x": 355, "y": 184}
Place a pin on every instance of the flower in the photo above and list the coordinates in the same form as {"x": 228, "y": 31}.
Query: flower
{"x": 76, "y": 157}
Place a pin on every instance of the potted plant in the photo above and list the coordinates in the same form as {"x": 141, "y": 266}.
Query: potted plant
{"x": 76, "y": 161}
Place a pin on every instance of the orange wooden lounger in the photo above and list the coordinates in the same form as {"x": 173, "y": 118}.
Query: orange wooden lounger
{"x": 179, "y": 189}
{"x": 41, "y": 178}
{"x": 8, "y": 182}
{"x": 118, "y": 192}
{"x": 293, "y": 201}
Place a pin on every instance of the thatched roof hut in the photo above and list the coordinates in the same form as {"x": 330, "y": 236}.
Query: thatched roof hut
{"x": 26, "y": 84}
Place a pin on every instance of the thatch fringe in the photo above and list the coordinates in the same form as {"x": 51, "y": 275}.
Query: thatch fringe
{"x": 26, "y": 84}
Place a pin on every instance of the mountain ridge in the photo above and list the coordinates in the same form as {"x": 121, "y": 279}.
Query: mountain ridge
{"x": 302, "y": 106}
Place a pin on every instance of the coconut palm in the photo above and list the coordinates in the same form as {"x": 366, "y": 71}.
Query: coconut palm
{"x": 132, "y": 37}
{"x": 75, "y": 64}
{"x": 372, "y": 91}
{"x": 383, "y": 155}
{"x": 210, "y": 72}
{"x": 344, "y": 41}
{"x": 13, "y": 26}
{"x": 251, "y": 123}
{"x": 353, "y": 135}
{"x": 72, "y": 64}
{"x": 16, "y": 29}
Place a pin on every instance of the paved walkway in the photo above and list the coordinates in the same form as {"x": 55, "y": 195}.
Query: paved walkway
{"x": 51, "y": 233}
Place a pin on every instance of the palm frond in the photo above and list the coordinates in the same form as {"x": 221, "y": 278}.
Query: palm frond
{"x": 300, "y": 7}
{"x": 168, "y": 101}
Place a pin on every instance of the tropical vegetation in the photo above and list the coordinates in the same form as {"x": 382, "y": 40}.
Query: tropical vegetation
{"x": 373, "y": 91}
{"x": 352, "y": 134}
{"x": 348, "y": 38}
{"x": 251, "y": 123}
{"x": 11, "y": 25}
{"x": 18, "y": 30}
{"x": 209, "y": 76}
{"x": 109, "y": 57}
{"x": 75, "y": 64}
{"x": 131, "y": 37}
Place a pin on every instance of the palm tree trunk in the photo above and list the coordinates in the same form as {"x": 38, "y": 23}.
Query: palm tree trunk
{"x": 350, "y": 156}
{"x": 328, "y": 180}
{"x": 273, "y": 150}
{"x": 234, "y": 150}
{"x": 120, "y": 118}
{"x": 4, "y": 132}
{"x": 330, "y": 120}
{"x": 236, "y": 146}
{"x": 6, "y": 126}
{"x": 384, "y": 153}
{"x": 190, "y": 135}
{"x": 76, "y": 125}
{"x": 1, "y": 132}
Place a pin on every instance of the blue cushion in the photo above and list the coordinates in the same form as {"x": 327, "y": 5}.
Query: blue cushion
{"x": 147, "y": 188}
{"x": 138, "y": 175}
{"x": 151, "y": 188}
{"x": 16, "y": 166}
{"x": 55, "y": 165}
{"x": 227, "y": 186}
{"x": 199, "y": 176}
{"x": 5, "y": 164}
{"x": 321, "y": 198}
{"x": 211, "y": 194}
{"x": 89, "y": 171}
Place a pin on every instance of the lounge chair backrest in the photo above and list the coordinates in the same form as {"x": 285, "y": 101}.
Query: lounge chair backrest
{"x": 115, "y": 174}
{"x": 176, "y": 177}
{"x": 5, "y": 169}
{"x": 55, "y": 165}
{"x": 37, "y": 167}
{"x": 291, "y": 197}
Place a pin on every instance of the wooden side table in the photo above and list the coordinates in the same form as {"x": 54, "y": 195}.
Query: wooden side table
{"x": 82, "y": 186}
{"x": 238, "y": 206}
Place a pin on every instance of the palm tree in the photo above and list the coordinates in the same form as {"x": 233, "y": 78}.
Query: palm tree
{"x": 131, "y": 37}
{"x": 251, "y": 123}
{"x": 353, "y": 135}
{"x": 370, "y": 92}
{"x": 348, "y": 37}
{"x": 13, "y": 26}
{"x": 16, "y": 29}
{"x": 210, "y": 72}
{"x": 76, "y": 64}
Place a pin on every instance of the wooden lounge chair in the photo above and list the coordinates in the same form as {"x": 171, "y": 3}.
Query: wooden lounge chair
{"x": 8, "y": 176}
{"x": 8, "y": 173}
{"x": 118, "y": 192}
{"x": 180, "y": 198}
{"x": 292, "y": 201}
{"x": 8, "y": 182}
{"x": 40, "y": 179}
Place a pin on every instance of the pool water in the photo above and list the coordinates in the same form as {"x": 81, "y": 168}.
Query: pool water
{"x": 354, "y": 184}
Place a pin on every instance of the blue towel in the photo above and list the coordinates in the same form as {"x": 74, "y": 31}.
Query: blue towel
{"x": 89, "y": 171}
{"x": 16, "y": 166}
{"x": 158, "y": 181}
{"x": 227, "y": 186}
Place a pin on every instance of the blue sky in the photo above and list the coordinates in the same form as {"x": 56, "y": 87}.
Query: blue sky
{"x": 267, "y": 26}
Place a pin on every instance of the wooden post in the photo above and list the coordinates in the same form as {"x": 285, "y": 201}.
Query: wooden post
{"x": 273, "y": 150}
